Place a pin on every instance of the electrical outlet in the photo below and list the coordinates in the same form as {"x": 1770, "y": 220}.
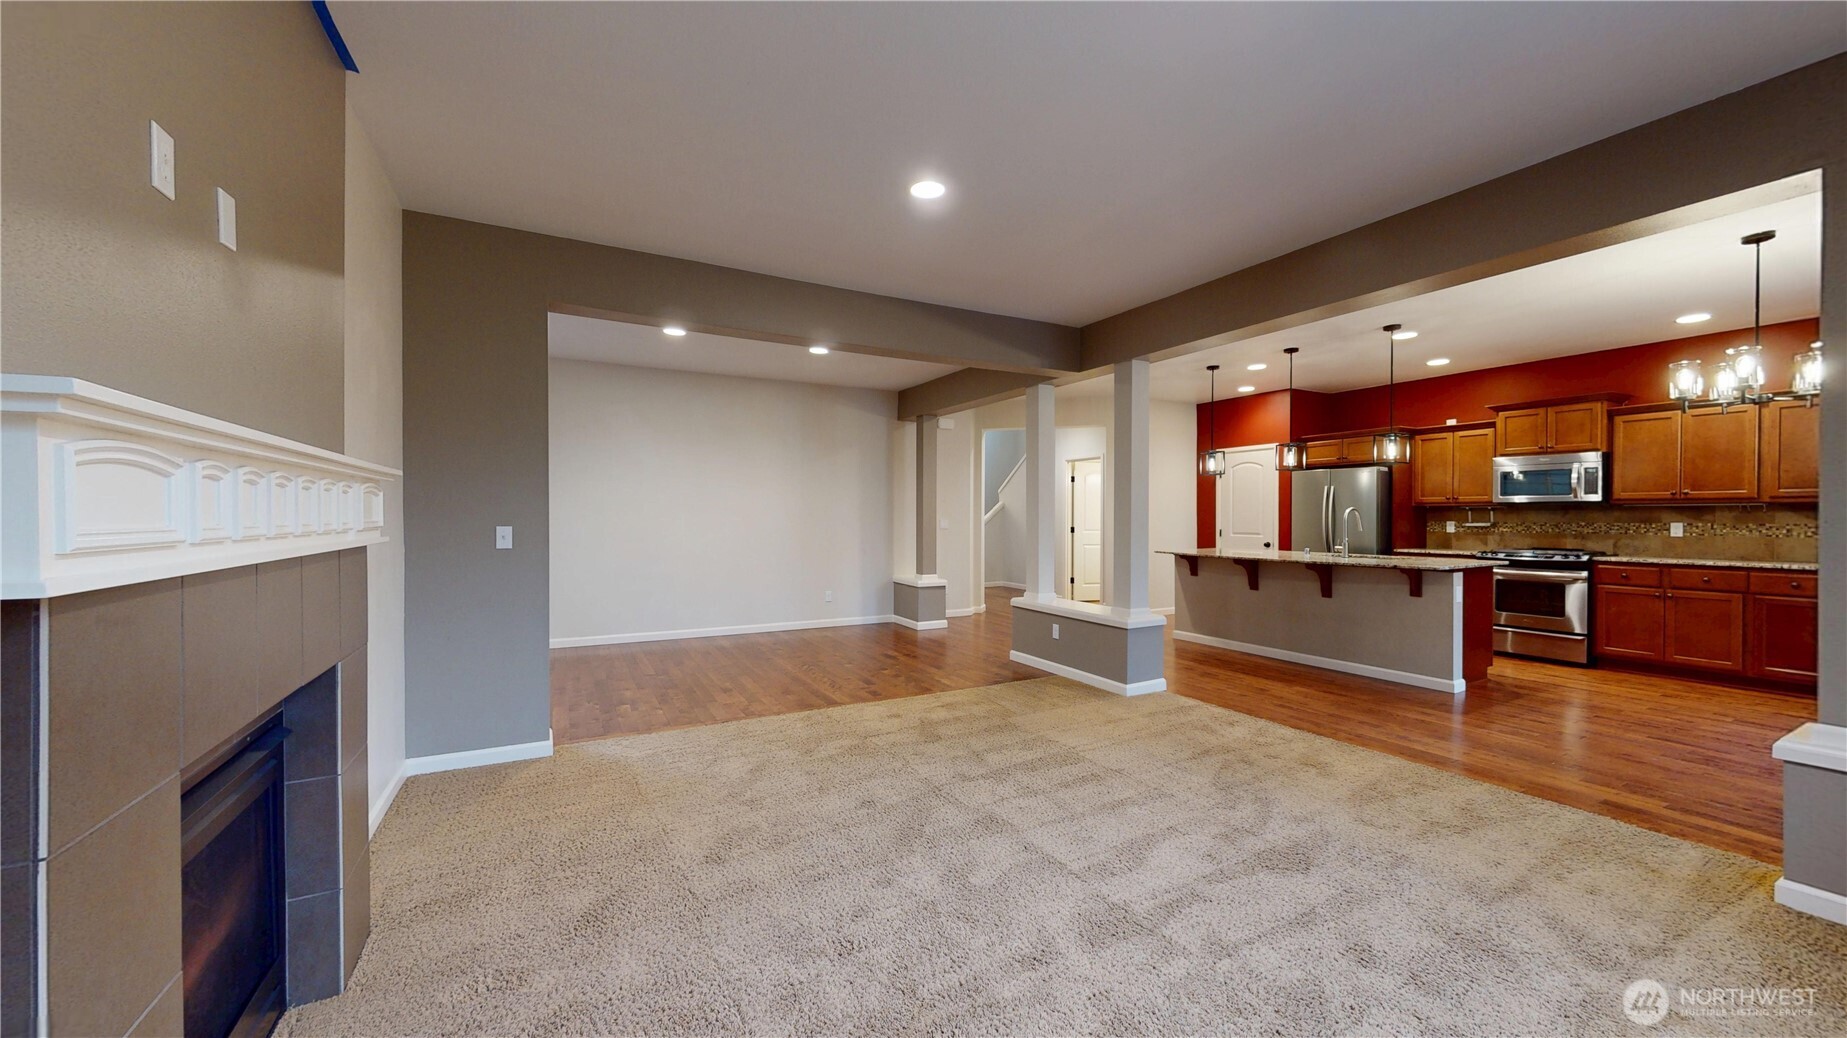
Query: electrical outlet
{"x": 227, "y": 220}
{"x": 942, "y": 524}
{"x": 828, "y": 597}
{"x": 1449, "y": 526}
{"x": 503, "y": 538}
{"x": 160, "y": 159}
{"x": 1677, "y": 529}
{"x": 1449, "y": 421}
{"x": 1054, "y": 632}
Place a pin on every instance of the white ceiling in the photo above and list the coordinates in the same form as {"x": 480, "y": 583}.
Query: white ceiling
{"x": 646, "y": 346}
{"x": 1618, "y": 296}
{"x": 1098, "y": 156}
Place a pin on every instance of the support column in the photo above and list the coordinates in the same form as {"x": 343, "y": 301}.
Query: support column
{"x": 919, "y": 599}
{"x": 1117, "y": 646}
{"x": 1041, "y": 492}
{"x": 1127, "y": 594}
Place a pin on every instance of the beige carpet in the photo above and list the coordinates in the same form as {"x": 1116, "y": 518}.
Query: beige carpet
{"x": 1039, "y": 858}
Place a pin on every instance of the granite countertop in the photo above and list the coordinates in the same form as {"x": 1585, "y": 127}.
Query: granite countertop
{"x": 1648, "y": 560}
{"x": 1450, "y": 564}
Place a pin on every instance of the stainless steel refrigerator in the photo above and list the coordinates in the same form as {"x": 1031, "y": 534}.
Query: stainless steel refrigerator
{"x": 1318, "y": 502}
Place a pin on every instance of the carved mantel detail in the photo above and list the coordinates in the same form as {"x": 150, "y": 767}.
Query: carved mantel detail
{"x": 100, "y": 488}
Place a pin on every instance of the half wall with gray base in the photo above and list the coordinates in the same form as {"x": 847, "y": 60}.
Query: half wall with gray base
{"x": 920, "y": 603}
{"x": 1814, "y": 879}
{"x": 1088, "y": 643}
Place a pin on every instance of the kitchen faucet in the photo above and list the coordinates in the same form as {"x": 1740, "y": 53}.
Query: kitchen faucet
{"x": 1345, "y": 537}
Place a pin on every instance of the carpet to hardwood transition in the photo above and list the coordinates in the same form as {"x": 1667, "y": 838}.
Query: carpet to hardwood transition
{"x": 1039, "y": 858}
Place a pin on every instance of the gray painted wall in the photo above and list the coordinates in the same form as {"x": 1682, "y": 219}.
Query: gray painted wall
{"x": 1120, "y": 654}
{"x": 1001, "y": 450}
{"x": 475, "y": 439}
{"x": 109, "y": 280}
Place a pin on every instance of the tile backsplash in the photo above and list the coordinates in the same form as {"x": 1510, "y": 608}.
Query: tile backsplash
{"x": 1748, "y": 533}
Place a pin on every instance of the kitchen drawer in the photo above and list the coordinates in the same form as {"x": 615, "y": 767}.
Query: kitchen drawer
{"x": 1708, "y": 579}
{"x": 1782, "y": 582}
{"x": 1630, "y": 576}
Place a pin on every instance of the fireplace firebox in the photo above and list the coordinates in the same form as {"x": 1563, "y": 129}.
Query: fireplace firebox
{"x": 232, "y": 902}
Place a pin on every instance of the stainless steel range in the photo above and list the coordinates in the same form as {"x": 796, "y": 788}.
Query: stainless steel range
{"x": 1542, "y": 602}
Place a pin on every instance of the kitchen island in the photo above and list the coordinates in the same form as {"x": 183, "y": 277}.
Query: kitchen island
{"x": 1425, "y": 621}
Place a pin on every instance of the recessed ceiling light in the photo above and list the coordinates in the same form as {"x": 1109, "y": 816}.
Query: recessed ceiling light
{"x": 1437, "y": 362}
{"x": 1404, "y": 333}
{"x": 819, "y": 351}
{"x": 1255, "y": 367}
{"x": 1247, "y": 389}
{"x": 1693, "y": 318}
{"x": 927, "y": 189}
{"x": 674, "y": 330}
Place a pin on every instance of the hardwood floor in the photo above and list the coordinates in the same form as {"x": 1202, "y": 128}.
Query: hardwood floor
{"x": 1679, "y": 757}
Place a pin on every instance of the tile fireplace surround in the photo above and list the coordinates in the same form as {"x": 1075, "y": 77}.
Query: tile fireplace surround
{"x": 170, "y": 582}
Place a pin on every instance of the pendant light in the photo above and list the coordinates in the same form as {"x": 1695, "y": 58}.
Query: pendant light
{"x": 1212, "y": 463}
{"x": 1291, "y": 456}
{"x": 1391, "y": 447}
{"x": 1740, "y": 377}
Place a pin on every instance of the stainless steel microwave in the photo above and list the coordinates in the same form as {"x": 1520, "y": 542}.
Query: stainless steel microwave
{"x": 1536, "y": 478}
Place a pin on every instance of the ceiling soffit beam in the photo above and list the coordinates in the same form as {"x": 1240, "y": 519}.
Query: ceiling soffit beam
{"x": 961, "y": 390}
{"x": 1658, "y": 175}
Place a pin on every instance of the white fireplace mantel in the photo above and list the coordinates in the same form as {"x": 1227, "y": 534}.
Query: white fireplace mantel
{"x": 100, "y": 488}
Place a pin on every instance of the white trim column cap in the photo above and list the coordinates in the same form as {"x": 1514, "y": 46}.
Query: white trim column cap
{"x": 1815, "y": 744}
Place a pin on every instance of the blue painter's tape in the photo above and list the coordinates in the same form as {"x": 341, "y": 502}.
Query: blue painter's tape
{"x": 333, "y": 35}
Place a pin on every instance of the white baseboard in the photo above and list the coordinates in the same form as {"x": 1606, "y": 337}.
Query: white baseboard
{"x": 1402, "y": 677}
{"x": 384, "y": 801}
{"x": 1093, "y": 680}
{"x": 1005, "y": 583}
{"x": 970, "y": 611}
{"x": 478, "y": 758}
{"x": 1812, "y": 900}
{"x": 1163, "y": 610}
{"x": 716, "y": 632}
{"x": 918, "y": 625}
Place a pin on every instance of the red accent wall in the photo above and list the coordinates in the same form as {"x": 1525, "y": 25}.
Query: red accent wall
{"x": 1640, "y": 371}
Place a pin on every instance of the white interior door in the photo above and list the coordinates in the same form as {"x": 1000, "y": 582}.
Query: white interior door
{"x": 1247, "y": 499}
{"x": 1087, "y": 530}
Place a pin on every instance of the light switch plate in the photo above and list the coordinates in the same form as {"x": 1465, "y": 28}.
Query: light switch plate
{"x": 942, "y": 524}
{"x": 1677, "y": 529}
{"x": 945, "y": 423}
{"x": 160, "y": 159}
{"x": 503, "y": 537}
{"x": 1449, "y": 526}
{"x": 227, "y": 220}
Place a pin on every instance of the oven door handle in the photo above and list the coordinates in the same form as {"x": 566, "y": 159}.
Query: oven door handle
{"x": 1541, "y": 576}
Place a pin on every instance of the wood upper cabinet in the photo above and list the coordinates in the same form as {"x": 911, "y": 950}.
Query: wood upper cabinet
{"x": 1453, "y": 468}
{"x": 1474, "y": 467}
{"x": 1630, "y": 623}
{"x": 1433, "y": 469}
{"x": 1322, "y": 452}
{"x": 1577, "y": 427}
{"x": 1789, "y": 451}
{"x": 1705, "y": 629}
{"x": 1342, "y": 451}
{"x": 1521, "y": 432}
{"x": 1718, "y": 454}
{"x": 1559, "y": 428}
{"x": 1701, "y": 455}
{"x": 1645, "y": 456}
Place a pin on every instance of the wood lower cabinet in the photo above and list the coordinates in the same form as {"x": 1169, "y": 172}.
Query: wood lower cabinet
{"x": 1783, "y": 638}
{"x": 1453, "y": 468}
{"x": 1760, "y": 624}
{"x": 1789, "y": 451}
{"x": 1630, "y": 623}
{"x": 1705, "y": 629}
{"x": 1671, "y": 456}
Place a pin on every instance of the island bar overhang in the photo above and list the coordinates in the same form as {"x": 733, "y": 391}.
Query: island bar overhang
{"x": 1422, "y": 622}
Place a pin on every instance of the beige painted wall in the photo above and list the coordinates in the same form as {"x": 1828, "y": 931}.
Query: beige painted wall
{"x": 375, "y": 431}
{"x": 111, "y": 281}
